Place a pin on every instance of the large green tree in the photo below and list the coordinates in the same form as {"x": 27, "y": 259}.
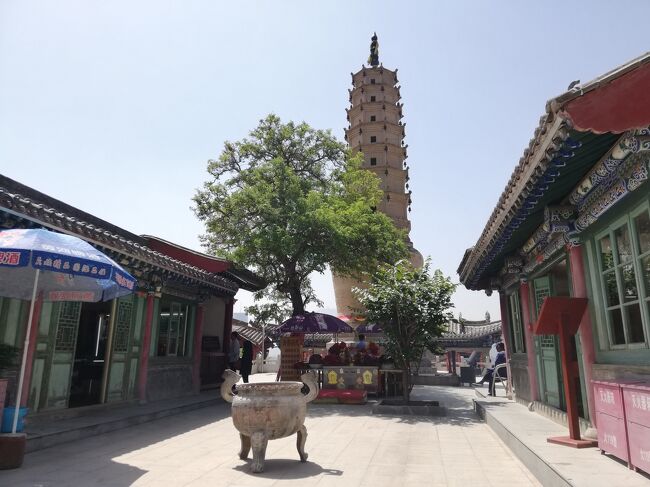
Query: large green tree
{"x": 289, "y": 200}
{"x": 412, "y": 306}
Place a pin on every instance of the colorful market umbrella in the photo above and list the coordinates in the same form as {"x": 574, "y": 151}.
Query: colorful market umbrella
{"x": 73, "y": 270}
{"x": 315, "y": 323}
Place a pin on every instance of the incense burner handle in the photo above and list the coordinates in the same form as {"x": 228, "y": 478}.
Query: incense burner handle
{"x": 309, "y": 379}
{"x": 230, "y": 378}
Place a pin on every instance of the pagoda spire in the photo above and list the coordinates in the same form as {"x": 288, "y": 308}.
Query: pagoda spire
{"x": 373, "y": 59}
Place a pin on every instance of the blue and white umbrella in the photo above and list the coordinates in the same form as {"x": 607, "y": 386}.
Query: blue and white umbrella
{"x": 73, "y": 271}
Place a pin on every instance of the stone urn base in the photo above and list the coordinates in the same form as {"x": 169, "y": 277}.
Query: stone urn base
{"x": 267, "y": 411}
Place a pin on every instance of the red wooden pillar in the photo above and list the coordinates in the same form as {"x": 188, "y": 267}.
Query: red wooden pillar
{"x": 32, "y": 329}
{"x": 227, "y": 324}
{"x": 578, "y": 282}
{"x": 144, "y": 350}
{"x": 198, "y": 340}
{"x": 449, "y": 369}
{"x": 524, "y": 299}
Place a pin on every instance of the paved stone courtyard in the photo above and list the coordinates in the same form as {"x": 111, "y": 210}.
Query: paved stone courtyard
{"x": 347, "y": 446}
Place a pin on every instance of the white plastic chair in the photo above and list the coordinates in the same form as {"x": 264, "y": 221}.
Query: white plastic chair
{"x": 496, "y": 375}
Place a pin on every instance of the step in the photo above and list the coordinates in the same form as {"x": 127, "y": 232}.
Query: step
{"x": 546, "y": 474}
{"x": 49, "y": 429}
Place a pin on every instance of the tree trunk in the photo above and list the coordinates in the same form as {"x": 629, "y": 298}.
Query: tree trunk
{"x": 296, "y": 300}
{"x": 406, "y": 375}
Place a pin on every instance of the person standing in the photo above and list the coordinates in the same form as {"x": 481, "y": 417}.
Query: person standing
{"x": 233, "y": 352}
{"x": 362, "y": 344}
{"x": 246, "y": 360}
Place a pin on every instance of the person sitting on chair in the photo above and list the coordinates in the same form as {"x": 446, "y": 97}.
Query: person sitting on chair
{"x": 500, "y": 359}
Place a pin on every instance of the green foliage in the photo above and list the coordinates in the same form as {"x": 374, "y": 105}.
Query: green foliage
{"x": 288, "y": 201}
{"x": 270, "y": 308}
{"x": 412, "y": 306}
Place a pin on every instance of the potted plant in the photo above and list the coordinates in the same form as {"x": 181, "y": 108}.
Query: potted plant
{"x": 12, "y": 446}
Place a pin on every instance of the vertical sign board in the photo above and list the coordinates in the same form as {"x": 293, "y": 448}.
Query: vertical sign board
{"x": 290, "y": 353}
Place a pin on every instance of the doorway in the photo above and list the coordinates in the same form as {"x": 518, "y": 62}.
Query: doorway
{"x": 556, "y": 282}
{"x": 90, "y": 351}
{"x": 547, "y": 347}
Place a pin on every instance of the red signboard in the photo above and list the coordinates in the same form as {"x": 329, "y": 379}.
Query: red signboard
{"x": 608, "y": 398}
{"x": 560, "y": 311}
{"x": 637, "y": 403}
{"x": 636, "y": 398}
{"x": 611, "y": 435}
{"x": 639, "y": 441}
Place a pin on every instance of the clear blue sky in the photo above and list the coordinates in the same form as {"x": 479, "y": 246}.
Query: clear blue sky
{"x": 115, "y": 107}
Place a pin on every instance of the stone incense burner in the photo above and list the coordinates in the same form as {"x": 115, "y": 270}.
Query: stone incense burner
{"x": 266, "y": 411}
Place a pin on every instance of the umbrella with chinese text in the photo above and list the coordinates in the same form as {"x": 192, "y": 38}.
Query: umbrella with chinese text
{"x": 315, "y": 323}
{"x": 57, "y": 267}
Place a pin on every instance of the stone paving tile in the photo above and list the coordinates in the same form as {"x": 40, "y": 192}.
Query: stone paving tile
{"x": 347, "y": 446}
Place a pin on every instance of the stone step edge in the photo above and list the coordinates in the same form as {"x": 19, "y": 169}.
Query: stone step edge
{"x": 39, "y": 442}
{"x": 545, "y": 473}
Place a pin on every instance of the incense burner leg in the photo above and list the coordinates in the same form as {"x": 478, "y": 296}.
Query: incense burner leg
{"x": 300, "y": 443}
{"x": 258, "y": 442}
{"x": 245, "y": 446}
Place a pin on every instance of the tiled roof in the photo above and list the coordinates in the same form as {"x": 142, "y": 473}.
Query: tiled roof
{"x": 25, "y": 203}
{"x": 460, "y": 331}
{"x": 249, "y": 332}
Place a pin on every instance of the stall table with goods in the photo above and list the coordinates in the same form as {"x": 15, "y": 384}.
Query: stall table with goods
{"x": 348, "y": 375}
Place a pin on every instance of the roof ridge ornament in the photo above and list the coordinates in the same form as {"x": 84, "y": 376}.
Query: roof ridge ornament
{"x": 373, "y": 59}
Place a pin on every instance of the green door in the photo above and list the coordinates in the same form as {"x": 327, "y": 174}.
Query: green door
{"x": 547, "y": 352}
{"x": 126, "y": 349}
{"x": 55, "y": 355}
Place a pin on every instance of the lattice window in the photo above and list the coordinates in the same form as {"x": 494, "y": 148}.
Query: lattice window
{"x": 541, "y": 293}
{"x": 122, "y": 326}
{"x": 547, "y": 341}
{"x": 66, "y": 331}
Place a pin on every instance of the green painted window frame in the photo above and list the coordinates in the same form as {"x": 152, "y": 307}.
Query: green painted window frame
{"x": 627, "y": 220}
{"x": 174, "y": 343}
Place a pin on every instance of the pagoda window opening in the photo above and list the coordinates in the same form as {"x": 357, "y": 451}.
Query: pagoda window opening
{"x": 373, "y": 161}
{"x": 373, "y": 98}
{"x": 373, "y": 138}
{"x": 372, "y": 81}
{"x": 373, "y": 118}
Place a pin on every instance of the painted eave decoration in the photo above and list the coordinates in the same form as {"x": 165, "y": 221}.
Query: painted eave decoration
{"x": 576, "y": 132}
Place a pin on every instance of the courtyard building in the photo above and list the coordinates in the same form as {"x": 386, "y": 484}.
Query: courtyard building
{"x": 168, "y": 339}
{"x": 574, "y": 220}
